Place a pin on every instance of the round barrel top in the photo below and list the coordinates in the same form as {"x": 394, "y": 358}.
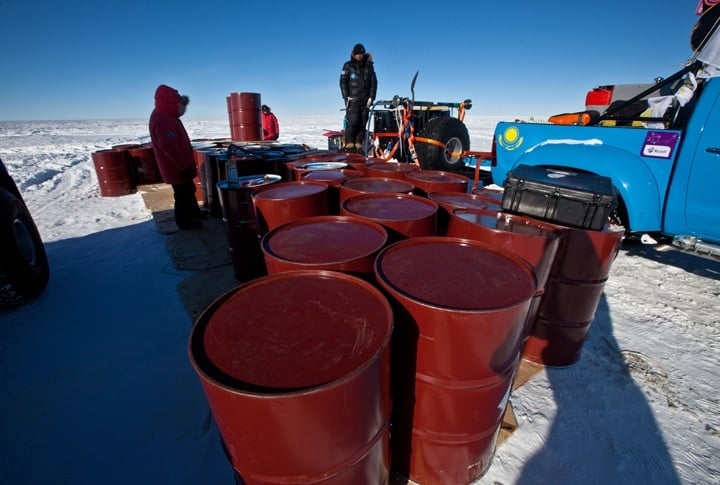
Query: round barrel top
{"x": 460, "y": 200}
{"x": 298, "y": 329}
{"x": 390, "y": 207}
{"x": 249, "y": 182}
{"x": 336, "y": 176}
{"x": 325, "y": 239}
{"x": 394, "y": 167}
{"x": 455, "y": 273}
{"x": 437, "y": 176}
{"x": 378, "y": 184}
{"x": 322, "y": 166}
{"x": 291, "y": 190}
{"x": 503, "y": 221}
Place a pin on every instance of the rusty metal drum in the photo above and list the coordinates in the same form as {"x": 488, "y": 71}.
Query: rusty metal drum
{"x": 241, "y": 226}
{"x": 245, "y": 116}
{"x": 460, "y": 310}
{"x": 145, "y": 163}
{"x": 573, "y": 291}
{"x": 535, "y": 241}
{"x": 288, "y": 201}
{"x": 296, "y": 369}
{"x": 448, "y": 201}
{"x": 531, "y": 239}
{"x": 336, "y": 243}
{"x": 300, "y": 169}
{"x": 393, "y": 170}
{"x": 365, "y": 185}
{"x": 333, "y": 178}
{"x": 112, "y": 168}
{"x": 403, "y": 215}
{"x": 427, "y": 181}
{"x": 493, "y": 195}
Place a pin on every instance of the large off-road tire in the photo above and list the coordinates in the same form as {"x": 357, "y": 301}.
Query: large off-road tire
{"x": 451, "y": 140}
{"x": 24, "y": 269}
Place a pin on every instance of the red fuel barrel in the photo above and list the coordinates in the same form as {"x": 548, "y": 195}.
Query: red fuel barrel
{"x": 296, "y": 369}
{"x": 535, "y": 241}
{"x": 572, "y": 293}
{"x": 427, "y": 181}
{"x": 333, "y": 178}
{"x": 112, "y": 168}
{"x": 448, "y": 201}
{"x": 241, "y": 226}
{"x": 205, "y": 178}
{"x": 245, "y": 116}
{"x": 337, "y": 243}
{"x": 493, "y": 195}
{"x": 461, "y": 307}
{"x": 288, "y": 201}
{"x": 145, "y": 164}
{"x": 364, "y": 185}
{"x": 392, "y": 170}
{"x": 403, "y": 215}
{"x": 215, "y": 162}
{"x": 300, "y": 169}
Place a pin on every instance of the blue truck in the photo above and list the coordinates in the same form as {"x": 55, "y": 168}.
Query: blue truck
{"x": 665, "y": 169}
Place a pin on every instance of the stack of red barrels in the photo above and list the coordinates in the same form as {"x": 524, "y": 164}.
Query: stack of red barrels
{"x": 386, "y": 298}
{"x": 122, "y": 168}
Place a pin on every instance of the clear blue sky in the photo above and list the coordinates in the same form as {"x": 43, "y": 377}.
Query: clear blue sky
{"x": 87, "y": 59}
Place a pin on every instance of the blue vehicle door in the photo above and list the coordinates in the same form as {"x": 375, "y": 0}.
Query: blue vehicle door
{"x": 693, "y": 203}
{"x": 702, "y": 208}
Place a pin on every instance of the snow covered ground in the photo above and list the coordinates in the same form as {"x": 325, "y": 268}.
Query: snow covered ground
{"x": 97, "y": 386}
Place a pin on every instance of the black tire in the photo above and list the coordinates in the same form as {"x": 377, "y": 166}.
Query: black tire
{"x": 619, "y": 216}
{"x": 24, "y": 269}
{"x": 452, "y": 134}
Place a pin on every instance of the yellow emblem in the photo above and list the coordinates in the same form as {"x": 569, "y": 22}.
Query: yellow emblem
{"x": 511, "y": 139}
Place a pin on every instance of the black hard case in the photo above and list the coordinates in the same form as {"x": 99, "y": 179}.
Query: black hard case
{"x": 562, "y": 196}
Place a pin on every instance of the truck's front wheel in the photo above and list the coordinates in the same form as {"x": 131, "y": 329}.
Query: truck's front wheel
{"x": 441, "y": 144}
{"x": 24, "y": 269}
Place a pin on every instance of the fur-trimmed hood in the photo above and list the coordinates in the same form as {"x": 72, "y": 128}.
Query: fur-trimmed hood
{"x": 367, "y": 57}
{"x": 167, "y": 99}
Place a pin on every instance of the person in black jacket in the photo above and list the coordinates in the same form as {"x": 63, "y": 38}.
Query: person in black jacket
{"x": 358, "y": 85}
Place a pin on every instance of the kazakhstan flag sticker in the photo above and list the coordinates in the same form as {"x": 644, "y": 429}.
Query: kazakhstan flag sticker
{"x": 510, "y": 139}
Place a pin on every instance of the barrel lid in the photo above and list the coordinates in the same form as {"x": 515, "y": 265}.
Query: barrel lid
{"x": 250, "y": 181}
{"x": 325, "y": 239}
{"x": 390, "y": 207}
{"x": 438, "y": 176}
{"x": 460, "y": 200}
{"x": 326, "y": 156}
{"x": 378, "y": 184}
{"x": 503, "y": 221}
{"x": 495, "y": 194}
{"x": 322, "y": 166}
{"x": 291, "y": 190}
{"x": 394, "y": 166}
{"x": 336, "y": 176}
{"x": 455, "y": 273}
{"x": 297, "y": 329}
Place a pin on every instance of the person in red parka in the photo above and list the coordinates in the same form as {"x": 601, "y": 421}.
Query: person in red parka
{"x": 174, "y": 154}
{"x": 270, "y": 125}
